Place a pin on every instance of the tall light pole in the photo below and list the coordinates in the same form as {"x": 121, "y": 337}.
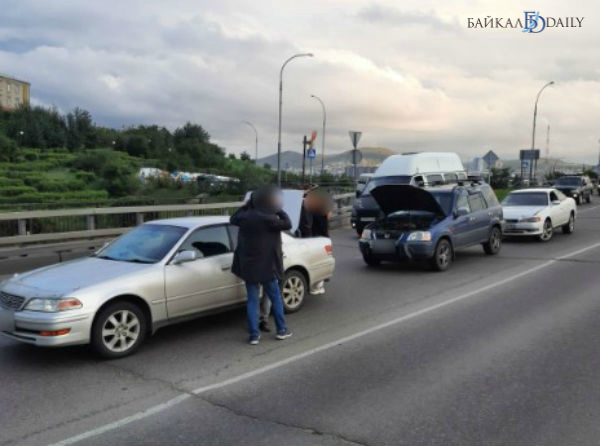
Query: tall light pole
{"x": 255, "y": 140}
{"x": 323, "y": 137}
{"x": 533, "y": 131}
{"x": 280, "y": 107}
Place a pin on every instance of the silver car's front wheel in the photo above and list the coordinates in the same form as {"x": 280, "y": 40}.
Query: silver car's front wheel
{"x": 293, "y": 291}
{"x": 118, "y": 330}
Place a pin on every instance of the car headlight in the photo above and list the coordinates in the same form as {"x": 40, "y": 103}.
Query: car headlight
{"x": 532, "y": 219}
{"x": 420, "y": 236}
{"x": 53, "y": 305}
{"x": 366, "y": 234}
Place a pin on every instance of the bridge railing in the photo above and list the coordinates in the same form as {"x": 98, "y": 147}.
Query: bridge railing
{"x": 30, "y": 227}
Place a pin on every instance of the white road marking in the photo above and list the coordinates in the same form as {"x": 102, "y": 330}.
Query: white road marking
{"x": 185, "y": 396}
{"x": 127, "y": 420}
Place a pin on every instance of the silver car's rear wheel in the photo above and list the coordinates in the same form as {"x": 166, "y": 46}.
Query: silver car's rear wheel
{"x": 118, "y": 329}
{"x": 293, "y": 291}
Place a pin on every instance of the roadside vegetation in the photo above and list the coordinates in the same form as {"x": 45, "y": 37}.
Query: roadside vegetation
{"x": 53, "y": 160}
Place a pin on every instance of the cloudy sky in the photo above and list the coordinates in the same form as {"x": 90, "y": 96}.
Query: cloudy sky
{"x": 410, "y": 74}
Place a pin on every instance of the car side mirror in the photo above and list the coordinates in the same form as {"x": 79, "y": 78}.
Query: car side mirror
{"x": 184, "y": 257}
{"x": 461, "y": 211}
{"x": 555, "y": 202}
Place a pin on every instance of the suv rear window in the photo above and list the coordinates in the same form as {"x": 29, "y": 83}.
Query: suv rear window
{"x": 476, "y": 202}
{"x": 489, "y": 196}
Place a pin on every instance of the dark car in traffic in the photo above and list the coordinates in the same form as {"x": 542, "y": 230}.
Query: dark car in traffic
{"x": 432, "y": 223}
{"x": 578, "y": 187}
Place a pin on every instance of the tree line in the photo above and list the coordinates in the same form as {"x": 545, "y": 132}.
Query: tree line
{"x": 186, "y": 148}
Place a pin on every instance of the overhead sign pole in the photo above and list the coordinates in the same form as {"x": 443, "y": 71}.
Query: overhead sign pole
{"x": 355, "y": 137}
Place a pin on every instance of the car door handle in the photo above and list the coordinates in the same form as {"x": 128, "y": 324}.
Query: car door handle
{"x": 471, "y": 219}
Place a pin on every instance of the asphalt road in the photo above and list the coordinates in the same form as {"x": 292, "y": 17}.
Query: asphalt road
{"x": 496, "y": 350}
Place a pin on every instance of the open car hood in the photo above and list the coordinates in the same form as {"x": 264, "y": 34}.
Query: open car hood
{"x": 402, "y": 197}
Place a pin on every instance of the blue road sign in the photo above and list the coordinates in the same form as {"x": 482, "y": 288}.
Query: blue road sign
{"x": 311, "y": 153}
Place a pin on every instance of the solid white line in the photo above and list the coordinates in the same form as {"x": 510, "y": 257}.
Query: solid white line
{"x": 161, "y": 407}
{"x": 127, "y": 420}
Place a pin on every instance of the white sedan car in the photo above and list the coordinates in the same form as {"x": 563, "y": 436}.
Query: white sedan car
{"x": 538, "y": 212}
{"x": 157, "y": 274}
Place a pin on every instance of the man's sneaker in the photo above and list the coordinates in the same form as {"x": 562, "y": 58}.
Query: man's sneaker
{"x": 264, "y": 327}
{"x": 283, "y": 335}
{"x": 254, "y": 339}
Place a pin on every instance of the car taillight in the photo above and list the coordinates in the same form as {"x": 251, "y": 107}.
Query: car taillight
{"x": 328, "y": 249}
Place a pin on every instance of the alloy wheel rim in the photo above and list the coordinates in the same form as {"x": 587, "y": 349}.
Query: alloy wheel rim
{"x": 495, "y": 240}
{"x": 443, "y": 255}
{"x": 120, "y": 331}
{"x": 547, "y": 234}
{"x": 293, "y": 292}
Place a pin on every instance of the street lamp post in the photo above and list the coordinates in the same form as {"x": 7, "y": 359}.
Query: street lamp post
{"x": 280, "y": 107}
{"x": 323, "y": 137}
{"x": 255, "y": 140}
{"x": 533, "y": 131}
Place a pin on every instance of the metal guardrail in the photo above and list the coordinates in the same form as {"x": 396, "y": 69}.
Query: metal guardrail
{"x": 29, "y": 227}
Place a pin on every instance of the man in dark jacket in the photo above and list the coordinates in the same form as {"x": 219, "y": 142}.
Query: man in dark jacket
{"x": 258, "y": 258}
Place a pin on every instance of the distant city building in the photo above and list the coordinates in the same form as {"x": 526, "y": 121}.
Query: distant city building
{"x": 13, "y": 93}
{"x": 349, "y": 170}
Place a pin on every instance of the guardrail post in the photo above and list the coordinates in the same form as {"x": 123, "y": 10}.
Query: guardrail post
{"x": 91, "y": 222}
{"x": 139, "y": 218}
{"x": 22, "y": 226}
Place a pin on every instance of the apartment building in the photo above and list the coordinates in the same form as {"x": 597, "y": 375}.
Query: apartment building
{"x": 13, "y": 93}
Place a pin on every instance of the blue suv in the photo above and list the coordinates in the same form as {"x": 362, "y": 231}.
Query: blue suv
{"x": 431, "y": 224}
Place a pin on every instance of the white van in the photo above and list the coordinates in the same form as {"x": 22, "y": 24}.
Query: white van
{"x": 426, "y": 168}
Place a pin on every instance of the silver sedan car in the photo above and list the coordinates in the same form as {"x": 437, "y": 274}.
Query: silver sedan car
{"x": 157, "y": 274}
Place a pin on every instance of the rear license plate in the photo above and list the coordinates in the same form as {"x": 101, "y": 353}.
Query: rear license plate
{"x": 367, "y": 218}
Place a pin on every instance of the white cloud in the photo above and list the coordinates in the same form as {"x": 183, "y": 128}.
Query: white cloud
{"x": 410, "y": 75}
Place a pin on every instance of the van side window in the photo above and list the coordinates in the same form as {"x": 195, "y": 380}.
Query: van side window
{"x": 476, "y": 201}
{"x": 451, "y": 177}
{"x": 462, "y": 201}
{"x": 435, "y": 179}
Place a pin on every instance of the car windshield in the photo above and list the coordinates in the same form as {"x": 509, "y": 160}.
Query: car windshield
{"x": 568, "y": 181}
{"x": 145, "y": 244}
{"x": 375, "y": 182}
{"x": 444, "y": 199}
{"x": 526, "y": 199}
